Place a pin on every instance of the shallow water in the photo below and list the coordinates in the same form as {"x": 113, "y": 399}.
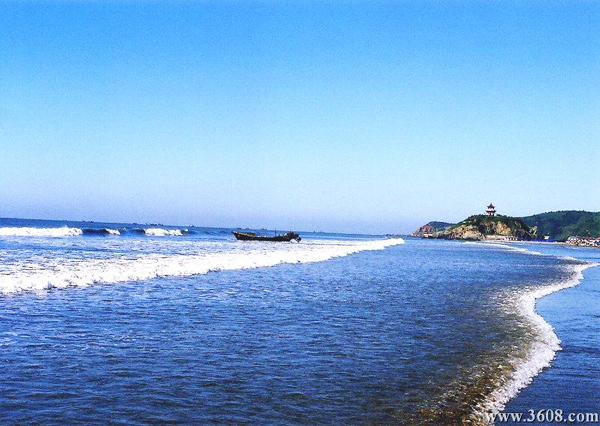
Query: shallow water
{"x": 425, "y": 331}
{"x": 572, "y": 384}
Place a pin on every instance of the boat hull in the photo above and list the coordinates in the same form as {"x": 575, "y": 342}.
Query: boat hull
{"x": 250, "y": 236}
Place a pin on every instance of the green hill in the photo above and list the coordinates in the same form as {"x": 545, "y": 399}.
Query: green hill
{"x": 430, "y": 228}
{"x": 480, "y": 227}
{"x": 563, "y": 224}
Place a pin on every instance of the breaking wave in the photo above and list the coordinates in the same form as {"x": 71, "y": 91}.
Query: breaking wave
{"x": 76, "y": 232}
{"x": 88, "y": 272}
{"x": 160, "y": 232}
{"x": 103, "y": 231}
{"x": 40, "y": 232}
{"x": 505, "y": 246}
{"x": 543, "y": 349}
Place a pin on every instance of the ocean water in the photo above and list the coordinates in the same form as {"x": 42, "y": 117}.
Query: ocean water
{"x": 143, "y": 324}
{"x": 572, "y": 384}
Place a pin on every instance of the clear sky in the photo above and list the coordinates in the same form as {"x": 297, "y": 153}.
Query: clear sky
{"x": 359, "y": 116}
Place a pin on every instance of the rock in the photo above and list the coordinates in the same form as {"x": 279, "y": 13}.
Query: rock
{"x": 431, "y": 229}
{"x": 481, "y": 227}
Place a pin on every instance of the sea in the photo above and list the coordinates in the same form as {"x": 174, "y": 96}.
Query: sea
{"x": 104, "y": 323}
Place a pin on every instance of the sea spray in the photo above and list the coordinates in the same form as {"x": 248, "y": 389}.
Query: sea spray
{"x": 40, "y": 232}
{"x": 87, "y": 272}
{"x": 76, "y": 232}
{"x": 160, "y": 232}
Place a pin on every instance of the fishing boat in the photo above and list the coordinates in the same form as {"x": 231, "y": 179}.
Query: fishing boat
{"x": 251, "y": 236}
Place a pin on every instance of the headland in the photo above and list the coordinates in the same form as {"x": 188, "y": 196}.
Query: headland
{"x": 572, "y": 227}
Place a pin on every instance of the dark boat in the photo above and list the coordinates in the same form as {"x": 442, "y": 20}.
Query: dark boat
{"x": 251, "y": 236}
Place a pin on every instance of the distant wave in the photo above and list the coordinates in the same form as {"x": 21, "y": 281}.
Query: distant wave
{"x": 40, "y": 232}
{"x": 88, "y": 272}
{"x": 160, "y": 232}
{"x": 521, "y": 250}
{"x": 103, "y": 231}
{"x": 75, "y": 232}
{"x": 504, "y": 246}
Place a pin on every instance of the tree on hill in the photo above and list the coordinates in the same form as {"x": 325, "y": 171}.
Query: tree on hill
{"x": 563, "y": 224}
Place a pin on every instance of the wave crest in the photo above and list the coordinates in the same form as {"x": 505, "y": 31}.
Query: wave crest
{"x": 88, "y": 272}
{"x": 103, "y": 231}
{"x": 160, "y": 232}
{"x": 40, "y": 232}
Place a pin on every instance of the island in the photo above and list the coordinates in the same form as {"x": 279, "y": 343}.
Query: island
{"x": 483, "y": 227}
{"x": 488, "y": 226}
{"x": 571, "y": 226}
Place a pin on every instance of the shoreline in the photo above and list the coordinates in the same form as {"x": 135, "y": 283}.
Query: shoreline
{"x": 543, "y": 351}
{"x": 492, "y": 241}
{"x": 570, "y": 385}
{"x": 540, "y": 356}
{"x": 549, "y": 243}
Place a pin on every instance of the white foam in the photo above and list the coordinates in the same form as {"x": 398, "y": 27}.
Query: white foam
{"x": 541, "y": 353}
{"x": 505, "y": 246}
{"x": 90, "y": 271}
{"x": 40, "y": 232}
{"x": 160, "y": 232}
{"x": 521, "y": 250}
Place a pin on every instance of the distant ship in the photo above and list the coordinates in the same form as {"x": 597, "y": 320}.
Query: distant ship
{"x": 251, "y": 236}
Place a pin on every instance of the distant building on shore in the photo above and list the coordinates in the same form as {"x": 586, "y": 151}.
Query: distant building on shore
{"x": 501, "y": 238}
{"x": 584, "y": 241}
{"x": 491, "y": 210}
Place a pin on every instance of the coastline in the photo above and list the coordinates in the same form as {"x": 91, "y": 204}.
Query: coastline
{"x": 544, "y": 351}
{"x": 541, "y": 354}
{"x": 568, "y": 385}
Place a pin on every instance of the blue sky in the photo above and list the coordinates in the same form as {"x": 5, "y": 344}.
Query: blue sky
{"x": 337, "y": 116}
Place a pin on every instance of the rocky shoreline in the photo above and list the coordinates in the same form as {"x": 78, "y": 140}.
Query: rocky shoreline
{"x": 478, "y": 228}
{"x": 581, "y": 228}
